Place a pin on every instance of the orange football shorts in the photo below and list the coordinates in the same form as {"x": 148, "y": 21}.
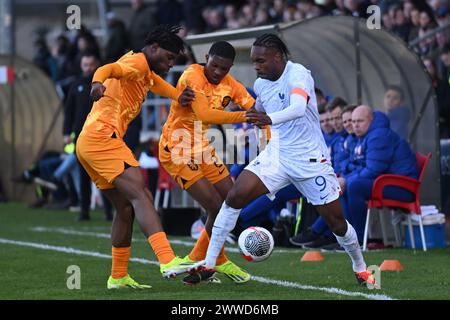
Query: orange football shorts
{"x": 104, "y": 158}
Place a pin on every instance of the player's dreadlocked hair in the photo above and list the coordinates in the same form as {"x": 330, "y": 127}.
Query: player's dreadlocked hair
{"x": 166, "y": 37}
{"x": 269, "y": 40}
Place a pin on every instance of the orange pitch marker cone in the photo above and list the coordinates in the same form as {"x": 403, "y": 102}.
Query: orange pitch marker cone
{"x": 312, "y": 256}
{"x": 389, "y": 265}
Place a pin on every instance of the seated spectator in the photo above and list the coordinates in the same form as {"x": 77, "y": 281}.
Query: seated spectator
{"x": 41, "y": 174}
{"x": 345, "y": 150}
{"x": 398, "y": 114}
{"x": 326, "y": 126}
{"x": 379, "y": 150}
{"x": 335, "y": 111}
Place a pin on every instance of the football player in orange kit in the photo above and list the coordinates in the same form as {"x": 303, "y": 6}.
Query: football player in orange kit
{"x": 193, "y": 162}
{"x": 118, "y": 90}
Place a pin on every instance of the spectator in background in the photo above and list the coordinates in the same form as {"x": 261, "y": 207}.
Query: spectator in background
{"x": 214, "y": 19}
{"x": 415, "y": 24}
{"x": 442, "y": 39}
{"x": 117, "y": 41}
{"x": 85, "y": 42}
{"x": 276, "y": 11}
{"x": 44, "y": 60}
{"x": 169, "y": 12}
{"x": 344, "y": 155}
{"x": 379, "y": 150}
{"x": 247, "y": 16}
{"x": 398, "y": 114}
{"x": 231, "y": 17}
{"x": 335, "y": 110}
{"x": 143, "y": 19}
{"x": 427, "y": 23}
{"x": 61, "y": 53}
{"x": 443, "y": 91}
{"x": 401, "y": 26}
{"x": 192, "y": 10}
{"x": 443, "y": 15}
{"x": 356, "y": 8}
{"x": 326, "y": 125}
{"x": 262, "y": 17}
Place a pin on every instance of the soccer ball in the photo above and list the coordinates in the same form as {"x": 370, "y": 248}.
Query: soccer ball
{"x": 256, "y": 244}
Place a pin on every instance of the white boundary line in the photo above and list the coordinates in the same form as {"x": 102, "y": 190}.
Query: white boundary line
{"x": 108, "y": 236}
{"x": 282, "y": 283}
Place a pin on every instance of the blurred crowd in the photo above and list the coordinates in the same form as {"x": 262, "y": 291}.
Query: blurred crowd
{"x": 62, "y": 59}
{"x": 408, "y": 19}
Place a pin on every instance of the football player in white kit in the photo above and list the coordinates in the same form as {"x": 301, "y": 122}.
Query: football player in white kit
{"x": 296, "y": 154}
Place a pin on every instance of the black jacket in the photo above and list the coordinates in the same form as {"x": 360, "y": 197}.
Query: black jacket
{"x": 77, "y": 105}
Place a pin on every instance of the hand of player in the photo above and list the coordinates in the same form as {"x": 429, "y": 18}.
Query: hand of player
{"x": 257, "y": 118}
{"x": 97, "y": 91}
{"x": 186, "y": 97}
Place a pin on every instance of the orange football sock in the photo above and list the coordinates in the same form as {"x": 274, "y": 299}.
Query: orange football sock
{"x": 199, "y": 251}
{"x": 161, "y": 247}
{"x": 120, "y": 257}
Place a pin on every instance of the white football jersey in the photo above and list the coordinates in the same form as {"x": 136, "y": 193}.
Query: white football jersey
{"x": 301, "y": 138}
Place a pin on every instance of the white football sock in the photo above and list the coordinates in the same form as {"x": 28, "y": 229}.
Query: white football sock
{"x": 225, "y": 222}
{"x": 351, "y": 245}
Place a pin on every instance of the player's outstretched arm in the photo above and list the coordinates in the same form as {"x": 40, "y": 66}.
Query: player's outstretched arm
{"x": 111, "y": 70}
{"x": 205, "y": 113}
{"x": 165, "y": 89}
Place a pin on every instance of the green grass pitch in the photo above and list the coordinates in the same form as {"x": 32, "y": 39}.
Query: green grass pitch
{"x": 37, "y": 246}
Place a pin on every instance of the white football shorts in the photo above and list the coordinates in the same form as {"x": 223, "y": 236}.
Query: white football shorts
{"x": 314, "y": 178}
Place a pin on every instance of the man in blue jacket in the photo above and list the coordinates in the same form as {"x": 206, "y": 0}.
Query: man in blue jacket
{"x": 378, "y": 150}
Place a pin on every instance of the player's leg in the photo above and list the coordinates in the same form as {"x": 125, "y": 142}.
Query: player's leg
{"x": 131, "y": 184}
{"x": 121, "y": 235}
{"x": 247, "y": 187}
{"x": 323, "y": 192}
{"x": 208, "y": 197}
{"x": 211, "y": 198}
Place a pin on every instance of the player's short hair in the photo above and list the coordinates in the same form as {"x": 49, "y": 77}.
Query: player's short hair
{"x": 336, "y": 102}
{"x": 166, "y": 37}
{"x": 395, "y": 88}
{"x": 222, "y": 49}
{"x": 349, "y": 108}
{"x": 269, "y": 40}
